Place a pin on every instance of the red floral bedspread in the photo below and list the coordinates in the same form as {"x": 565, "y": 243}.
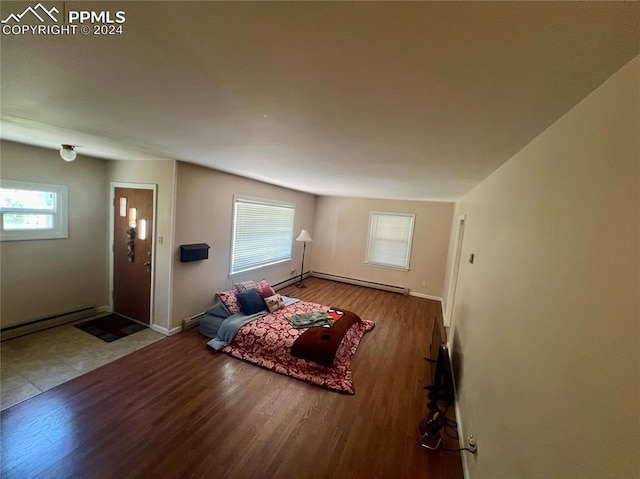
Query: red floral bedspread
{"x": 267, "y": 343}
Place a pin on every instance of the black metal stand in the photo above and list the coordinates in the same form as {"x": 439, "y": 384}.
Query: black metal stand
{"x": 430, "y": 429}
{"x": 300, "y": 284}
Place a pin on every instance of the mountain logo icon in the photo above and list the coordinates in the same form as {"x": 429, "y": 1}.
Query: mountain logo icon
{"x": 39, "y": 11}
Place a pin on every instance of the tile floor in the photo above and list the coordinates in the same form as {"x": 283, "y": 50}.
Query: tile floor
{"x": 39, "y": 361}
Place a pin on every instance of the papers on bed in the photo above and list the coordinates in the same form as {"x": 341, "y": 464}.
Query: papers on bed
{"x": 307, "y": 320}
{"x": 315, "y": 318}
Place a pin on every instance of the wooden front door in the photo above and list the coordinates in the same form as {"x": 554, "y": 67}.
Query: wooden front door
{"x": 132, "y": 253}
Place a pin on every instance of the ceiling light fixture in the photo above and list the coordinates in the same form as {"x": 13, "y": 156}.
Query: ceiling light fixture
{"x": 67, "y": 152}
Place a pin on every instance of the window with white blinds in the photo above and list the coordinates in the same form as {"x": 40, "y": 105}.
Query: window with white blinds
{"x": 262, "y": 233}
{"x": 390, "y": 236}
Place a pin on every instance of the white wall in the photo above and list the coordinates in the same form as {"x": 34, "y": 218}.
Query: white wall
{"x": 42, "y": 278}
{"x": 341, "y": 229}
{"x": 204, "y": 214}
{"x": 546, "y": 338}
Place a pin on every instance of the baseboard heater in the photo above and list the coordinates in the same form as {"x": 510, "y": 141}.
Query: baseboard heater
{"x": 17, "y": 330}
{"x": 361, "y": 282}
{"x": 192, "y": 321}
{"x": 290, "y": 281}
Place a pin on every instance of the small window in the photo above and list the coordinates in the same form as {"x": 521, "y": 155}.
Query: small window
{"x": 32, "y": 211}
{"x": 390, "y": 236}
{"x": 262, "y": 233}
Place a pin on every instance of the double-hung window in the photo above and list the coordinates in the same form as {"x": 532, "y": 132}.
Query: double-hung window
{"x": 31, "y": 211}
{"x": 262, "y": 233}
{"x": 390, "y": 236}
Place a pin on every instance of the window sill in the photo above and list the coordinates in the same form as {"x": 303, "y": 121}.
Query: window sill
{"x": 387, "y": 266}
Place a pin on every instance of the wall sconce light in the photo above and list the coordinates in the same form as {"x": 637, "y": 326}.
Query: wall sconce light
{"x": 68, "y": 153}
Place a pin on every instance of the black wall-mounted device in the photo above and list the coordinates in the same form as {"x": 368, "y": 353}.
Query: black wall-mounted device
{"x": 194, "y": 252}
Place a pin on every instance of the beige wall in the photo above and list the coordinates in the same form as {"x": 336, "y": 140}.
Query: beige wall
{"x": 546, "y": 321}
{"x": 341, "y": 230}
{"x": 162, "y": 174}
{"x": 204, "y": 212}
{"x": 42, "y": 278}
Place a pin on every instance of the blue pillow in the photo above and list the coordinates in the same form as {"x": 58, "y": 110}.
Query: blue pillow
{"x": 251, "y": 302}
{"x": 219, "y": 309}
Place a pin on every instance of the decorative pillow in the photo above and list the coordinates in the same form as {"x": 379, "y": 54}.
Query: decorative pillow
{"x": 245, "y": 286}
{"x": 250, "y": 301}
{"x": 265, "y": 289}
{"x": 219, "y": 309}
{"x": 230, "y": 300}
{"x": 274, "y": 302}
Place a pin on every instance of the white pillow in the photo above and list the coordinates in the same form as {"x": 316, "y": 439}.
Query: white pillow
{"x": 274, "y": 302}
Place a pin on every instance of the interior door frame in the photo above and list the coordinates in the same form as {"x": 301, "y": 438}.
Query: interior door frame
{"x": 112, "y": 195}
{"x": 455, "y": 269}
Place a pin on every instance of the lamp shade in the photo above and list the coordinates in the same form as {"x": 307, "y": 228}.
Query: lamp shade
{"x": 67, "y": 153}
{"x": 304, "y": 236}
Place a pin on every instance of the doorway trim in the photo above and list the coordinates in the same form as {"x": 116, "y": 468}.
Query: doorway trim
{"x": 112, "y": 196}
{"x": 455, "y": 268}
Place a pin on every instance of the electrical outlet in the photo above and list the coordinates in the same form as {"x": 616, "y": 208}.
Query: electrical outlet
{"x": 472, "y": 445}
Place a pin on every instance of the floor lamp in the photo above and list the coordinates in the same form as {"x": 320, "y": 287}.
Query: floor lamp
{"x": 304, "y": 237}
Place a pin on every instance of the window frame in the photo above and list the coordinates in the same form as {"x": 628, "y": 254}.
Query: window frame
{"x": 60, "y": 213}
{"x": 407, "y": 263}
{"x": 239, "y": 199}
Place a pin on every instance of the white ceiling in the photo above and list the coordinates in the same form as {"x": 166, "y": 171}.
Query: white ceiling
{"x": 416, "y": 100}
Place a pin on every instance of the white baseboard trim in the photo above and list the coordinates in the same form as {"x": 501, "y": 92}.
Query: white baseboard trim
{"x": 461, "y": 441}
{"x": 425, "y": 296}
{"x": 165, "y": 331}
{"x": 461, "y": 436}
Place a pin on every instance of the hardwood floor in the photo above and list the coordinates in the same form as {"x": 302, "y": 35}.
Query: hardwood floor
{"x": 178, "y": 409}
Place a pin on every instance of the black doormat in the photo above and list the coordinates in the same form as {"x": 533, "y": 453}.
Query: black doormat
{"x": 111, "y": 327}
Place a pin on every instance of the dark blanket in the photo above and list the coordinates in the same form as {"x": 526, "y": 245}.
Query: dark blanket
{"x": 320, "y": 344}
